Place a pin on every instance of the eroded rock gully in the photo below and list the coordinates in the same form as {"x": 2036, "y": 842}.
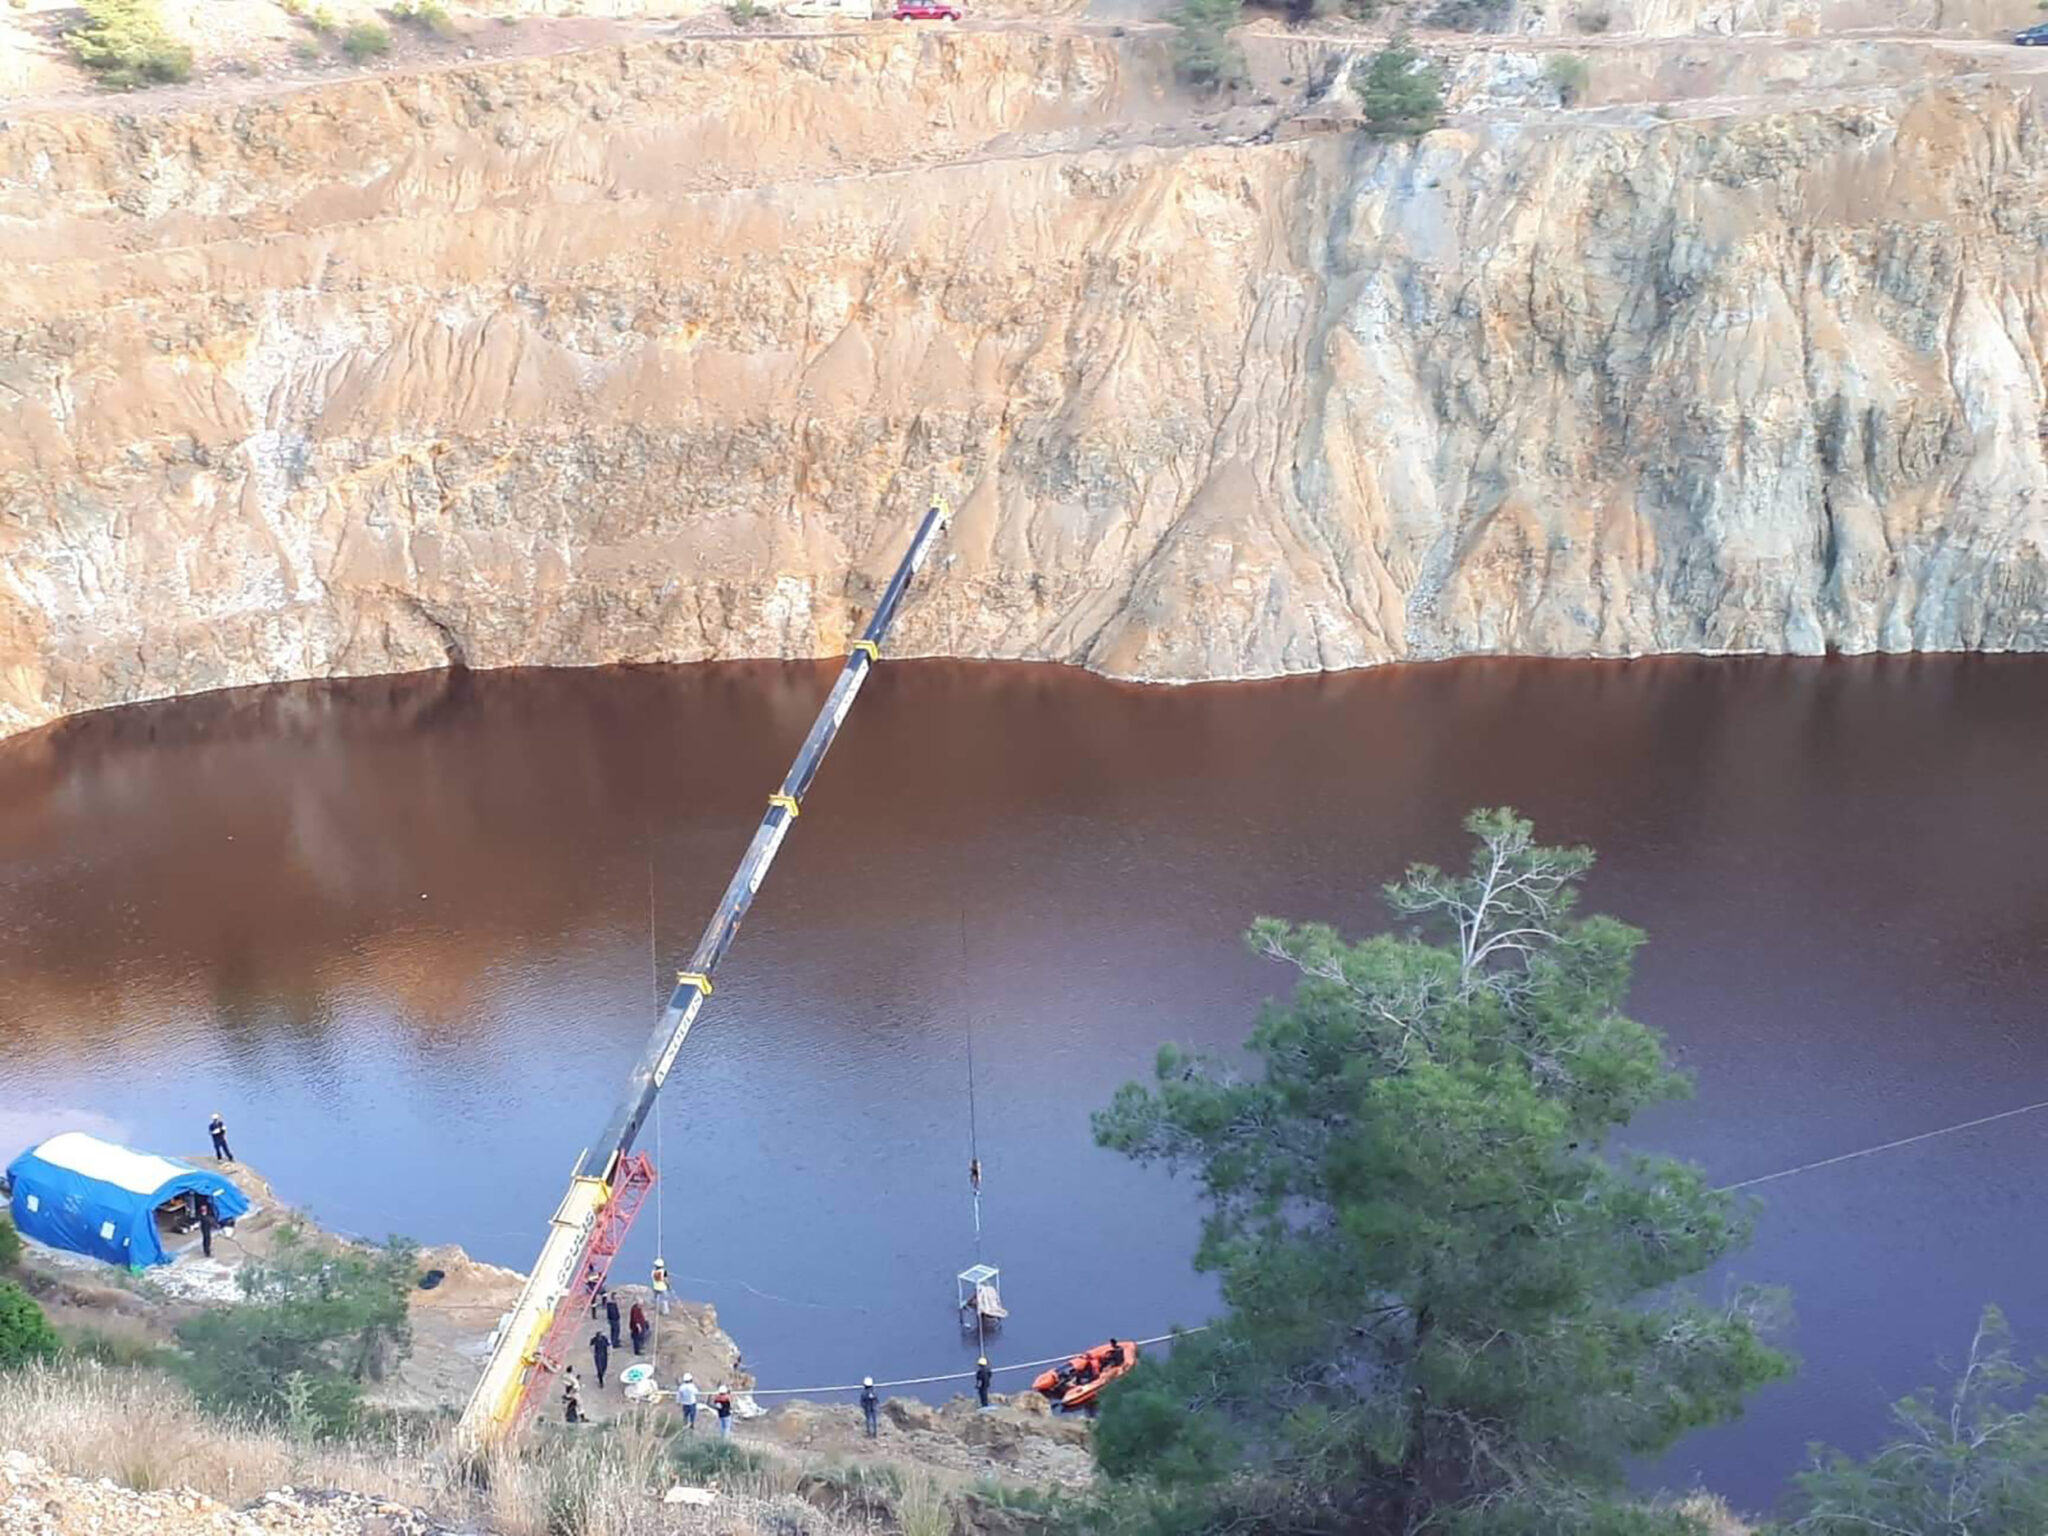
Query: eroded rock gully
{"x": 652, "y": 353}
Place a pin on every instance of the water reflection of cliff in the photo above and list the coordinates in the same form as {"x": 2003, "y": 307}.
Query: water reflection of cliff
{"x": 416, "y": 845}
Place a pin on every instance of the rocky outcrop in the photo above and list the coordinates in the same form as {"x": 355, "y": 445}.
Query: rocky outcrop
{"x": 654, "y": 353}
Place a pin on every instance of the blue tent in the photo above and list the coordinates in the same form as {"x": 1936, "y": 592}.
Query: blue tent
{"x": 89, "y": 1196}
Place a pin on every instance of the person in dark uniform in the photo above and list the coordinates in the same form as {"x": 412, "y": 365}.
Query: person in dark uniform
{"x": 208, "y": 1220}
{"x": 870, "y": 1402}
{"x": 611, "y": 1316}
{"x": 982, "y": 1377}
{"x": 217, "y": 1128}
{"x": 600, "y": 1354}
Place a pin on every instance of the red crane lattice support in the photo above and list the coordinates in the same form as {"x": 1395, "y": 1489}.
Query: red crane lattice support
{"x": 631, "y": 1185}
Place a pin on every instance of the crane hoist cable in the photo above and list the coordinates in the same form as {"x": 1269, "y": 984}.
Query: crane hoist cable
{"x": 610, "y": 1180}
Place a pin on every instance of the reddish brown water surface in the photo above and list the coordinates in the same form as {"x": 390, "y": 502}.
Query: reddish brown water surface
{"x": 398, "y": 931}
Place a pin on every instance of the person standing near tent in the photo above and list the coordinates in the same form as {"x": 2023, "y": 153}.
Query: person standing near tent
{"x": 611, "y": 1316}
{"x": 982, "y": 1377}
{"x": 661, "y": 1287}
{"x": 600, "y": 1355}
{"x": 636, "y": 1324}
{"x": 686, "y": 1399}
{"x": 870, "y": 1403}
{"x": 217, "y": 1128}
{"x": 721, "y": 1404}
{"x": 206, "y": 1225}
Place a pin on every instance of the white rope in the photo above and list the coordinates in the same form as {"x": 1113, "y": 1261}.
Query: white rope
{"x": 1887, "y": 1146}
{"x": 921, "y": 1381}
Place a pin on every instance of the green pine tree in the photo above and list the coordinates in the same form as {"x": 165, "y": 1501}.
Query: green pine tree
{"x": 1402, "y": 95}
{"x": 25, "y": 1334}
{"x": 1969, "y": 1461}
{"x": 1447, "y": 1309}
{"x": 126, "y": 42}
{"x": 1205, "y": 55}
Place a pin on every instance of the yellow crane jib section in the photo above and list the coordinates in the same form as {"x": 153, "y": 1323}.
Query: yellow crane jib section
{"x": 788, "y": 803}
{"x": 695, "y": 979}
{"x": 494, "y": 1405}
{"x": 874, "y": 652}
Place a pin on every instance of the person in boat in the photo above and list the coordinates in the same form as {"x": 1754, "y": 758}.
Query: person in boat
{"x": 1116, "y": 1353}
{"x": 1085, "y": 1372}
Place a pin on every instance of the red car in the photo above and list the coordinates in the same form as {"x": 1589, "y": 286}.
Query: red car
{"x": 925, "y": 10}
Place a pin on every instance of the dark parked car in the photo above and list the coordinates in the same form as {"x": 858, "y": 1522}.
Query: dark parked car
{"x": 2033, "y": 37}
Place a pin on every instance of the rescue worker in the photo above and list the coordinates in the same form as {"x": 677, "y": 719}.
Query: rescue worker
{"x": 974, "y": 1173}
{"x": 600, "y": 1354}
{"x": 686, "y": 1399}
{"x": 636, "y": 1324}
{"x": 869, "y": 1405}
{"x": 982, "y": 1377}
{"x": 206, "y": 1225}
{"x": 661, "y": 1287}
{"x": 611, "y": 1316}
{"x": 1117, "y": 1355}
{"x": 217, "y": 1128}
{"x": 572, "y": 1404}
{"x": 721, "y": 1404}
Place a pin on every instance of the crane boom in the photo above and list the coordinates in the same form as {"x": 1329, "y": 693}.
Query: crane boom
{"x": 608, "y": 1181}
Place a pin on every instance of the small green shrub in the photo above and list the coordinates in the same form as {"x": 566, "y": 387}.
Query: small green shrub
{"x": 25, "y": 1334}
{"x": 1402, "y": 95}
{"x": 313, "y": 1327}
{"x": 701, "y": 1459}
{"x": 306, "y": 52}
{"x": 1205, "y": 55}
{"x": 117, "y": 1349}
{"x": 1569, "y": 73}
{"x": 127, "y": 44}
{"x": 366, "y": 40}
{"x": 744, "y": 13}
{"x": 428, "y": 15}
{"x": 1469, "y": 15}
{"x": 10, "y": 1244}
{"x": 322, "y": 20}
{"x": 1595, "y": 18}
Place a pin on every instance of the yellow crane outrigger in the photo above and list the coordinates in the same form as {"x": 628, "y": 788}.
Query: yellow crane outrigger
{"x": 611, "y": 1180}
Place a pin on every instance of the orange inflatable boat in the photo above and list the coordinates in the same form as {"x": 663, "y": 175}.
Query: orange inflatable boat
{"x": 1075, "y": 1384}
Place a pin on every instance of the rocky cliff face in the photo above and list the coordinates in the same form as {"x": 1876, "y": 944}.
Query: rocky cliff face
{"x": 654, "y": 352}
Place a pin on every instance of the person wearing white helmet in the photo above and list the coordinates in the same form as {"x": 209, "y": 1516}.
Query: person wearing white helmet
{"x": 721, "y": 1404}
{"x": 983, "y": 1375}
{"x": 870, "y": 1404}
{"x": 686, "y": 1399}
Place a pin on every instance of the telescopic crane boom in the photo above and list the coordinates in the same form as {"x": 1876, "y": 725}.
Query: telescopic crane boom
{"x": 610, "y": 1180}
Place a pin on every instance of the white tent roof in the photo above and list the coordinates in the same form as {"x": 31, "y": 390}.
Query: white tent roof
{"x": 139, "y": 1173}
